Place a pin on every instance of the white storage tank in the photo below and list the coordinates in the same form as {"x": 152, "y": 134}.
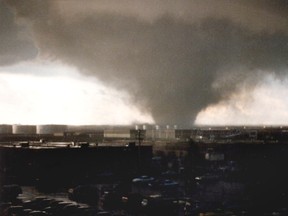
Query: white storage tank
{"x": 6, "y": 129}
{"x": 24, "y": 129}
{"x": 51, "y": 129}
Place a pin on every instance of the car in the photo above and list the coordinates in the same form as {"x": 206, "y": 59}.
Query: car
{"x": 169, "y": 174}
{"x": 207, "y": 178}
{"x": 143, "y": 179}
{"x": 38, "y": 213}
{"x": 88, "y": 194}
{"x": 164, "y": 184}
{"x": 10, "y": 192}
{"x": 103, "y": 213}
{"x": 169, "y": 183}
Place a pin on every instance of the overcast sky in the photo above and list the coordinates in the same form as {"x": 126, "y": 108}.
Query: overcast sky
{"x": 162, "y": 61}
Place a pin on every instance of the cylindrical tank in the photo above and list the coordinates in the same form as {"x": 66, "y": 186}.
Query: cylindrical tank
{"x": 6, "y": 129}
{"x": 24, "y": 129}
{"x": 51, "y": 129}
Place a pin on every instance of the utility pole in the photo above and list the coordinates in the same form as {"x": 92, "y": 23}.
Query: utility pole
{"x": 139, "y": 136}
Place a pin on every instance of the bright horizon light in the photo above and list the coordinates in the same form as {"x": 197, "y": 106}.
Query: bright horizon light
{"x": 267, "y": 104}
{"x": 36, "y": 93}
{"x": 44, "y": 93}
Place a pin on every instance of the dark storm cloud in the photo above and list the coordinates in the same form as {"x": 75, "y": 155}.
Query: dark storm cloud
{"x": 15, "y": 44}
{"x": 172, "y": 67}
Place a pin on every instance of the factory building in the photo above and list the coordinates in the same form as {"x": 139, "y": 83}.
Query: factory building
{"x": 183, "y": 134}
{"x": 146, "y": 132}
{"x": 117, "y": 133}
{"x": 85, "y": 128}
{"x": 161, "y": 134}
{"x": 156, "y": 132}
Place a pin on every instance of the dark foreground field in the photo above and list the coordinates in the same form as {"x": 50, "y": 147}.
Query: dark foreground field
{"x": 232, "y": 179}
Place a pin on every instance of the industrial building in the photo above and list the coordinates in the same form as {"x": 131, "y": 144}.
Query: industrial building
{"x": 149, "y": 133}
